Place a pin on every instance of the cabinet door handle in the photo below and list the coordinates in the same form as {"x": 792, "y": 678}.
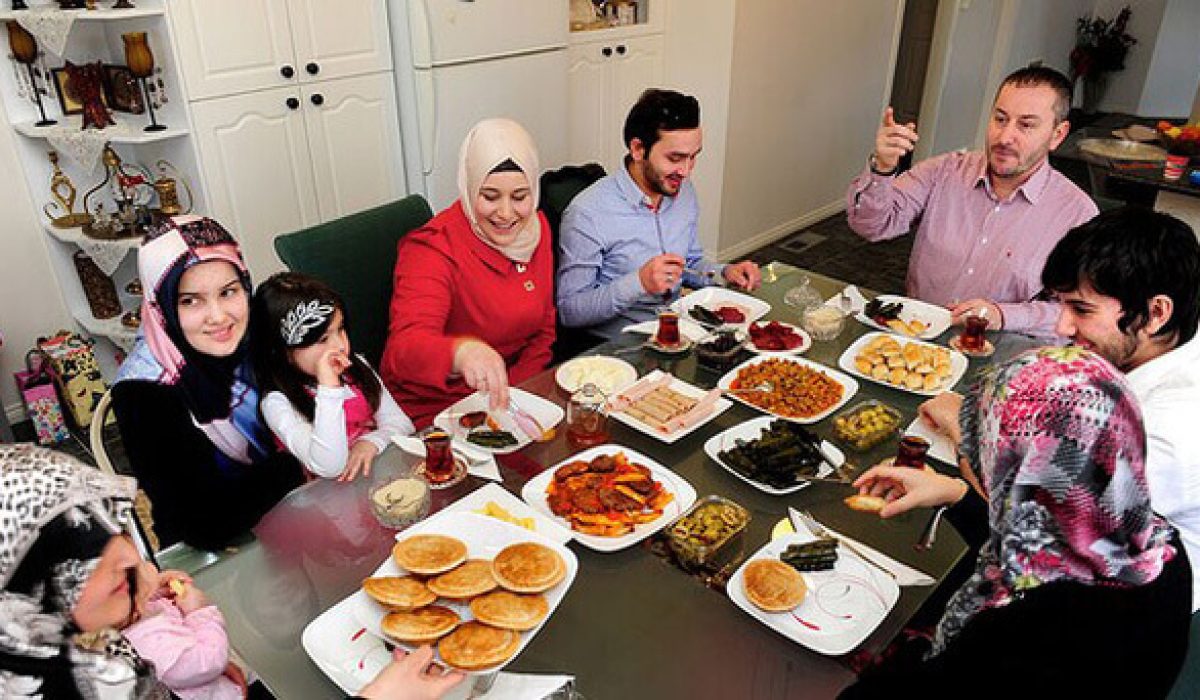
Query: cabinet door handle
{"x": 607, "y": 51}
{"x": 287, "y": 71}
{"x": 318, "y": 99}
{"x": 621, "y": 49}
{"x": 312, "y": 68}
{"x": 293, "y": 103}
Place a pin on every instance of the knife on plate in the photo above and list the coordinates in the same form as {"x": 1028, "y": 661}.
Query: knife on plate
{"x": 905, "y": 575}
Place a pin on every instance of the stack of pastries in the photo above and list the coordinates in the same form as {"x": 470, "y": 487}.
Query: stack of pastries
{"x": 908, "y": 365}
{"x": 504, "y": 596}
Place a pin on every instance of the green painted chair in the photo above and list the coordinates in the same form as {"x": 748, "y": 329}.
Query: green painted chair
{"x": 356, "y": 255}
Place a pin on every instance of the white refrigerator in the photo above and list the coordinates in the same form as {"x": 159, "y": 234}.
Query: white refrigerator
{"x": 460, "y": 61}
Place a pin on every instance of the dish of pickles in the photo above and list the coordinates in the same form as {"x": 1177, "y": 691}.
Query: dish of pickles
{"x": 867, "y": 424}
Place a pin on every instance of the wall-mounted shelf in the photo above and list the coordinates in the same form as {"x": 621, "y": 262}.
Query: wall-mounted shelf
{"x": 126, "y": 130}
{"x": 100, "y": 14}
{"x": 76, "y": 236}
{"x": 111, "y": 328}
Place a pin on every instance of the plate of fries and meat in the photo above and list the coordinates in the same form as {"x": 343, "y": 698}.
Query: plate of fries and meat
{"x": 610, "y": 496}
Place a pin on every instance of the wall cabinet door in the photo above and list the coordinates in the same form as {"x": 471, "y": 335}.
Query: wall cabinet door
{"x": 335, "y": 38}
{"x": 257, "y": 170}
{"x": 232, "y": 46}
{"x": 589, "y": 122}
{"x": 637, "y": 64}
{"x": 354, "y": 137}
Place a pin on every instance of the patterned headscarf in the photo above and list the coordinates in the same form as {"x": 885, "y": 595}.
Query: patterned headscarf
{"x": 487, "y": 145}
{"x": 1056, "y": 438}
{"x": 56, "y": 516}
{"x": 218, "y": 391}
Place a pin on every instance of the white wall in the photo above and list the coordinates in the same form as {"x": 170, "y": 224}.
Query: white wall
{"x": 1124, "y": 91}
{"x": 1174, "y": 72}
{"x": 30, "y": 301}
{"x": 960, "y": 66}
{"x": 699, "y": 42}
{"x": 1044, "y": 30}
{"x": 809, "y": 81}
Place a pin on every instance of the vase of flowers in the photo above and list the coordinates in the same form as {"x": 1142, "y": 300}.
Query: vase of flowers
{"x": 1101, "y": 46}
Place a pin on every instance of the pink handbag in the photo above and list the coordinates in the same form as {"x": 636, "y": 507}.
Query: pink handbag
{"x": 41, "y": 400}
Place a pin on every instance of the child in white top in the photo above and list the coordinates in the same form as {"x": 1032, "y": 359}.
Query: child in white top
{"x": 324, "y": 404}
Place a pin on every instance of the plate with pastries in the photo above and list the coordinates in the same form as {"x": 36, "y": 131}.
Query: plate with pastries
{"x": 610, "y": 496}
{"x": 814, "y": 592}
{"x": 475, "y": 588}
{"x": 908, "y": 365}
{"x": 666, "y": 407}
{"x": 904, "y": 316}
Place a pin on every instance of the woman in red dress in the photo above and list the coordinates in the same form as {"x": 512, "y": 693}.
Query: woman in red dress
{"x": 473, "y": 301}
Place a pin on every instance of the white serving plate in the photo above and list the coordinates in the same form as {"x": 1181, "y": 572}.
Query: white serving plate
{"x": 479, "y": 498}
{"x": 677, "y": 384}
{"x": 938, "y": 318}
{"x": 341, "y": 647}
{"x": 548, "y": 413}
{"x": 484, "y": 537}
{"x": 751, "y": 430}
{"x": 941, "y": 447}
{"x": 834, "y": 634}
{"x": 715, "y": 297}
{"x": 611, "y": 375}
{"x": 534, "y": 494}
{"x": 806, "y": 341}
{"x": 849, "y": 385}
{"x": 958, "y": 364}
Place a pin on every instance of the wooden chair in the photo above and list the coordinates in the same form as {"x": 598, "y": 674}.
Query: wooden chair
{"x": 145, "y": 539}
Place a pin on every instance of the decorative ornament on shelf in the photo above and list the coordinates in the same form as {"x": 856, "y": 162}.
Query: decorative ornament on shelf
{"x": 123, "y": 5}
{"x": 141, "y": 65}
{"x": 130, "y": 189}
{"x": 98, "y": 287}
{"x": 1101, "y": 46}
{"x": 71, "y": 4}
{"x": 19, "y": 5}
{"x": 24, "y": 48}
{"x": 63, "y": 191}
{"x": 168, "y": 193}
{"x": 86, "y": 85}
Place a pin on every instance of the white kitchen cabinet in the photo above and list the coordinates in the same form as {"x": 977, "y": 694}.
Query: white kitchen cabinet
{"x": 234, "y": 46}
{"x": 284, "y": 159}
{"x": 606, "y": 78}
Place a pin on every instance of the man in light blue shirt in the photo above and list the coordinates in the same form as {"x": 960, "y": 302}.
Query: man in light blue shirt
{"x": 629, "y": 242}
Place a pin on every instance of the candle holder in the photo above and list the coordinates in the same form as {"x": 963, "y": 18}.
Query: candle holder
{"x": 141, "y": 66}
{"x": 24, "y": 48}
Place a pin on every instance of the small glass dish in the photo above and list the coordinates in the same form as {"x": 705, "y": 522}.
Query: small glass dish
{"x": 866, "y": 424}
{"x": 721, "y": 349}
{"x": 707, "y": 528}
{"x": 824, "y": 322}
{"x": 400, "y": 499}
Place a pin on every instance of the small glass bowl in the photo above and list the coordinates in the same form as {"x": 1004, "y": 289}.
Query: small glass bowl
{"x": 866, "y": 424}
{"x": 824, "y": 322}
{"x": 400, "y": 501}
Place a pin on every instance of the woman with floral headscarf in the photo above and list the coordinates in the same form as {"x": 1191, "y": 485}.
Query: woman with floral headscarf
{"x": 1079, "y": 589}
{"x": 473, "y": 300}
{"x": 185, "y": 398}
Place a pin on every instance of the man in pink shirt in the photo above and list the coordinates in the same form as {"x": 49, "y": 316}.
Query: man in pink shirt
{"x": 988, "y": 219}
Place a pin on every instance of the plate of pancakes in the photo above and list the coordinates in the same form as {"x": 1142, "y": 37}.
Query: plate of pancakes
{"x": 475, "y": 588}
{"x": 830, "y": 612}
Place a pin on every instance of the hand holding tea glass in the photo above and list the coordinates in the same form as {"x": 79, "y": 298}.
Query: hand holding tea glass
{"x": 975, "y": 320}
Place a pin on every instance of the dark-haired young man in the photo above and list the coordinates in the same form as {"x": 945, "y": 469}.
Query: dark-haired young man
{"x": 987, "y": 218}
{"x": 1129, "y": 287}
{"x": 629, "y": 242}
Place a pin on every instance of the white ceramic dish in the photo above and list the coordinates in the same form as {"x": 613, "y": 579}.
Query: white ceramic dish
{"x": 805, "y": 344}
{"x": 684, "y": 388}
{"x": 941, "y": 447}
{"x": 484, "y": 537}
{"x": 477, "y": 499}
{"x": 936, "y": 318}
{"x": 958, "y": 364}
{"x": 548, "y": 413}
{"x": 849, "y": 385}
{"x": 610, "y": 374}
{"x": 534, "y": 494}
{"x": 751, "y": 430}
{"x": 715, "y": 297}
{"x": 843, "y": 606}
{"x": 342, "y": 648}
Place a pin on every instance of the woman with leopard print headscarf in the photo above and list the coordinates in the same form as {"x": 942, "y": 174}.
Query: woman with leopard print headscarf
{"x": 66, "y": 581}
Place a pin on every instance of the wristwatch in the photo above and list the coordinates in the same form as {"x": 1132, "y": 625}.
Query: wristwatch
{"x": 871, "y": 163}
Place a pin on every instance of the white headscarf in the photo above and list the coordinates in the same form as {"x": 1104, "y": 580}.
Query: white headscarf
{"x": 488, "y": 144}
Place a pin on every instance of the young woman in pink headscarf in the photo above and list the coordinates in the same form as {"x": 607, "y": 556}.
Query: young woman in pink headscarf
{"x": 473, "y": 301}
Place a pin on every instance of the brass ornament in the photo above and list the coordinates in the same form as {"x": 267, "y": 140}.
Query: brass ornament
{"x": 63, "y": 191}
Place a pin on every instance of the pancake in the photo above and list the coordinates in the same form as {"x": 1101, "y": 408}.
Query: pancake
{"x": 429, "y": 554}
{"x": 527, "y": 567}
{"x": 399, "y": 592}
{"x": 510, "y": 611}
{"x": 420, "y": 626}
{"x": 467, "y": 581}
{"x": 865, "y": 503}
{"x": 772, "y": 585}
{"x": 475, "y": 645}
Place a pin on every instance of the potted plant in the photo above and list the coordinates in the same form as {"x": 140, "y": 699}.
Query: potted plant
{"x": 1101, "y": 46}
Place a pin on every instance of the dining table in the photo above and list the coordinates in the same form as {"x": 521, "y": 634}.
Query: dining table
{"x": 632, "y": 624}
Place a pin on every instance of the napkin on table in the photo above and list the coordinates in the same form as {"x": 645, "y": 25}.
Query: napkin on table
{"x": 480, "y": 463}
{"x": 857, "y": 300}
